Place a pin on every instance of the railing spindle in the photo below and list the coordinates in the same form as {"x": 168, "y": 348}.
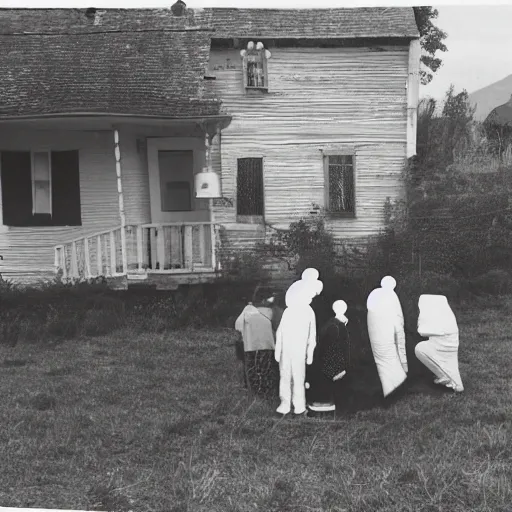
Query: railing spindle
{"x": 160, "y": 247}
{"x": 189, "y": 257}
{"x": 202, "y": 245}
{"x": 152, "y": 241}
{"x": 99, "y": 256}
{"x": 140, "y": 260}
{"x": 74, "y": 261}
{"x": 87, "y": 258}
{"x": 113, "y": 259}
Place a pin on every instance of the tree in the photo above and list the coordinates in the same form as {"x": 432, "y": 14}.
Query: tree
{"x": 431, "y": 40}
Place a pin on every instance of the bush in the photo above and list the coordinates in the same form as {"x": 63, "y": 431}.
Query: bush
{"x": 54, "y": 310}
{"x": 494, "y": 282}
{"x": 306, "y": 243}
{"x": 98, "y": 322}
{"x": 247, "y": 266}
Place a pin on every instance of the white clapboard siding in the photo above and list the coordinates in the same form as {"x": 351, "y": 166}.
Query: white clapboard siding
{"x": 30, "y": 251}
{"x": 317, "y": 99}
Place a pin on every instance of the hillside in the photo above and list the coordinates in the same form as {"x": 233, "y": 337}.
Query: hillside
{"x": 491, "y": 97}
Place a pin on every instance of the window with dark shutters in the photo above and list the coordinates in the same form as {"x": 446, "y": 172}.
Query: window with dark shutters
{"x": 66, "y": 207}
{"x": 17, "y": 179}
{"x": 16, "y": 188}
{"x": 249, "y": 198}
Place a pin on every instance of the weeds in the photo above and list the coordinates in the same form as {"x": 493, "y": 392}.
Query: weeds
{"x": 146, "y": 422}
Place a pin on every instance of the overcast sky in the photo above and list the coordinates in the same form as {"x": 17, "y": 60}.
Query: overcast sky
{"x": 479, "y": 36}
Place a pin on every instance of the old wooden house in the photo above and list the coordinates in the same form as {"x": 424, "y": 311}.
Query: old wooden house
{"x": 112, "y": 122}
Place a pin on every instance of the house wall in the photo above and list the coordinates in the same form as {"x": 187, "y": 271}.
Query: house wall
{"x": 318, "y": 99}
{"x": 29, "y": 252}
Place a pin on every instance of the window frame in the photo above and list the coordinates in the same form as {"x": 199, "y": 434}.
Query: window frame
{"x": 41, "y": 220}
{"x": 327, "y": 203}
{"x": 251, "y": 219}
{"x": 32, "y": 177}
{"x": 265, "y": 55}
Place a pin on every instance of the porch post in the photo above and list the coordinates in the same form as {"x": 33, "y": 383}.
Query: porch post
{"x": 208, "y": 143}
{"x": 121, "y": 201}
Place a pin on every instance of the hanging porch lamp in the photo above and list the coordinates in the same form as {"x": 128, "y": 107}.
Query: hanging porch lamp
{"x": 207, "y": 184}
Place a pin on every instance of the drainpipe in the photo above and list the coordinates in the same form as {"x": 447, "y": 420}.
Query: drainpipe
{"x": 413, "y": 86}
{"x": 121, "y": 201}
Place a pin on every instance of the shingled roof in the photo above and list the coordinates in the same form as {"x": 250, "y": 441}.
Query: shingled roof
{"x": 314, "y": 23}
{"x": 137, "y": 73}
{"x": 148, "y": 61}
{"x": 227, "y": 23}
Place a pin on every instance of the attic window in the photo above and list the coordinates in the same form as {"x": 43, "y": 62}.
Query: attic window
{"x": 255, "y": 59}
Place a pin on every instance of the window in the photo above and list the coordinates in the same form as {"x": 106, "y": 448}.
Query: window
{"x": 255, "y": 66}
{"x": 176, "y": 197}
{"x": 339, "y": 185}
{"x": 176, "y": 180}
{"x": 249, "y": 197}
{"x": 40, "y": 188}
{"x": 41, "y": 184}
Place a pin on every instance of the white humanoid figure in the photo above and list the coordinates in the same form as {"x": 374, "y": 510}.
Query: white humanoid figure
{"x": 310, "y": 279}
{"x": 440, "y": 352}
{"x": 382, "y": 325}
{"x": 388, "y": 283}
{"x": 295, "y": 343}
{"x": 310, "y": 274}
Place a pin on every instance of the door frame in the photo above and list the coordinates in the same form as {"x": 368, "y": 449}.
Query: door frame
{"x": 200, "y": 211}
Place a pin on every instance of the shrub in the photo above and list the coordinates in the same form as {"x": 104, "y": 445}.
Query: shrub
{"x": 54, "y": 310}
{"x": 494, "y": 282}
{"x": 246, "y": 265}
{"x": 98, "y": 322}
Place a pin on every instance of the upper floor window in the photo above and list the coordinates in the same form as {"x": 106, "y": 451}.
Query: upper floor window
{"x": 255, "y": 59}
{"x": 340, "y": 185}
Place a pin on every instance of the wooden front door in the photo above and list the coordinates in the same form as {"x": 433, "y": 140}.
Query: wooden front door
{"x": 172, "y": 165}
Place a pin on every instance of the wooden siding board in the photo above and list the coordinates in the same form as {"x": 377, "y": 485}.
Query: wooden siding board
{"x": 317, "y": 99}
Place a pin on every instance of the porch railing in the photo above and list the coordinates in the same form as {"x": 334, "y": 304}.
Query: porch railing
{"x": 150, "y": 248}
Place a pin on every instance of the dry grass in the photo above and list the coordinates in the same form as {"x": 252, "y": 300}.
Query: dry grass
{"x": 160, "y": 423}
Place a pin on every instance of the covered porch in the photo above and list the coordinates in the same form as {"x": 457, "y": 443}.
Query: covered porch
{"x": 99, "y": 163}
{"x": 176, "y": 241}
{"x": 140, "y": 216}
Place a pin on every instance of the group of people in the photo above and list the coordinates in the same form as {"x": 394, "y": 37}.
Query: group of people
{"x": 280, "y": 346}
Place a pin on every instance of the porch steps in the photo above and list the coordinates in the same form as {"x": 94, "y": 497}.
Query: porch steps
{"x": 159, "y": 281}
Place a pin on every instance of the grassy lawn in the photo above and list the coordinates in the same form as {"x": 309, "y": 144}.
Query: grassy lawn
{"x": 161, "y": 423}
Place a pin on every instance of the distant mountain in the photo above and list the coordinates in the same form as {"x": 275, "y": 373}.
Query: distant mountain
{"x": 490, "y": 97}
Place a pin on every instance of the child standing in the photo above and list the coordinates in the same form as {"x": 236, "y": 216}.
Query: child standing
{"x": 331, "y": 360}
